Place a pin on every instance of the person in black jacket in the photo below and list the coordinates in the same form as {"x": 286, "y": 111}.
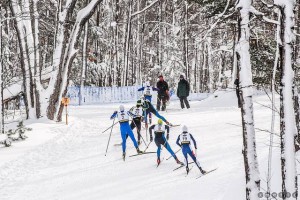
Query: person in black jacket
{"x": 162, "y": 94}
{"x": 183, "y": 92}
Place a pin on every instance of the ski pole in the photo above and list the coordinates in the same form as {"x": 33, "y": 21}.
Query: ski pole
{"x": 147, "y": 146}
{"x": 139, "y": 130}
{"x": 109, "y": 127}
{"x": 109, "y": 137}
{"x": 172, "y": 156}
{"x": 147, "y": 131}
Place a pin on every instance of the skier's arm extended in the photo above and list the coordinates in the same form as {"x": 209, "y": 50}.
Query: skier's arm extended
{"x": 114, "y": 115}
{"x": 178, "y": 141}
{"x": 141, "y": 89}
{"x": 194, "y": 141}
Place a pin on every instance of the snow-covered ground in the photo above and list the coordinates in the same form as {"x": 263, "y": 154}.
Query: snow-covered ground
{"x": 59, "y": 162}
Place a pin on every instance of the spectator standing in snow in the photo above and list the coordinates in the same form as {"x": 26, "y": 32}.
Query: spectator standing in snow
{"x": 183, "y": 91}
{"x": 162, "y": 94}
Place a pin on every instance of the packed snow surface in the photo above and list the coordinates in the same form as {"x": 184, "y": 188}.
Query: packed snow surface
{"x": 60, "y": 162}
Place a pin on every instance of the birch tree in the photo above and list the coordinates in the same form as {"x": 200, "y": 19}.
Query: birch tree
{"x": 288, "y": 130}
{"x": 246, "y": 93}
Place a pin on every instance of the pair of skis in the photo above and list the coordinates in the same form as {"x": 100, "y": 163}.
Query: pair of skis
{"x": 207, "y": 172}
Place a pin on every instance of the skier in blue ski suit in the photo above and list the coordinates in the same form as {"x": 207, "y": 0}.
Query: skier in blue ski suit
{"x": 148, "y": 91}
{"x": 184, "y": 140}
{"x": 160, "y": 139}
{"x": 123, "y": 117}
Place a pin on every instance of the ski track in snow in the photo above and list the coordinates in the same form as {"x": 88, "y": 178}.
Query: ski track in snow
{"x": 72, "y": 165}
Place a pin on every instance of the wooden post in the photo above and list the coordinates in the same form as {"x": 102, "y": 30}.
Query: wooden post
{"x": 65, "y": 101}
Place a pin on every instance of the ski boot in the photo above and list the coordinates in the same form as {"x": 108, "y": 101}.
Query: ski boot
{"x": 187, "y": 169}
{"x": 123, "y": 156}
{"x": 138, "y": 151}
{"x": 158, "y": 161}
{"x": 202, "y": 171}
{"x": 178, "y": 161}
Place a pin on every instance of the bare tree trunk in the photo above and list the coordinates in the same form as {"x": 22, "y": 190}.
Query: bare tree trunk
{"x": 25, "y": 66}
{"x": 246, "y": 92}
{"x": 84, "y": 62}
{"x": 127, "y": 44}
{"x": 296, "y": 69}
{"x": 185, "y": 42}
{"x": 288, "y": 131}
{"x": 273, "y": 84}
{"x": 1, "y": 76}
{"x": 68, "y": 53}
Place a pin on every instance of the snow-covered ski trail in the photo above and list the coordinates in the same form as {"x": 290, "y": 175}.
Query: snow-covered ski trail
{"x": 71, "y": 165}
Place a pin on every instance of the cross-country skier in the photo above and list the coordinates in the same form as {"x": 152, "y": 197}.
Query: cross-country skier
{"x": 148, "y": 90}
{"x": 160, "y": 139}
{"x": 149, "y": 108}
{"x": 137, "y": 119}
{"x": 184, "y": 140}
{"x": 123, "y": 117}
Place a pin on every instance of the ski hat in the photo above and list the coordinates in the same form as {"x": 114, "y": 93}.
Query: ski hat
{"x": 160, "y": 121}
{"x": 122, "y": 108}
{"x": 139, "y": 102}
{"x": 181, "y": 76}
{"x": 160, "y": 76}
{"x": 184, "y": 128}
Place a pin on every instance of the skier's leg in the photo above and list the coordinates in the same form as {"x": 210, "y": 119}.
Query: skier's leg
{"x": 189, "y": 151}
{"x": 184, "y": 151}
{"x": 186, "y": 102}
{"x": 168, "y": 147}
{"x": 158, "y": 147}
{"x": 159, "y": 116}
{"x": 130, "y": 134}
{"x": 139, "y": 126}
{"x": 132, "y": 126}
{"x": 124, "y": 137}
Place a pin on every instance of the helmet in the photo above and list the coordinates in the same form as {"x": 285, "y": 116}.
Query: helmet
{"x": 160, "y": 122}
{"x": 122, "y": 108}
{"x": 139, "y": 102}
{"x": 184, "y": 128}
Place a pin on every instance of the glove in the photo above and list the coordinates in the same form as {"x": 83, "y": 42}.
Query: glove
{"x": 168, "y": 136}
{"x": 151, "y": 139}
